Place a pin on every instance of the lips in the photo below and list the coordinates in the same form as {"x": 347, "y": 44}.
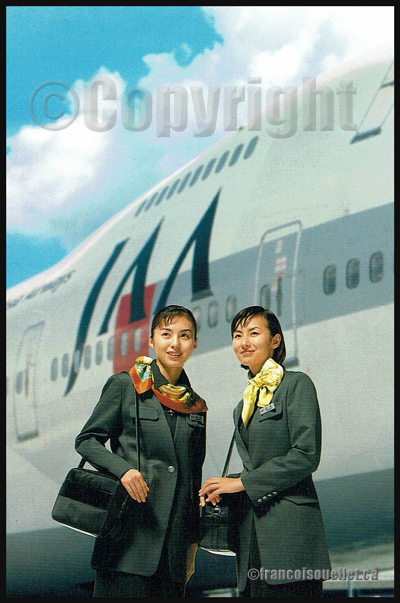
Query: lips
{"x": 173, "y": 354}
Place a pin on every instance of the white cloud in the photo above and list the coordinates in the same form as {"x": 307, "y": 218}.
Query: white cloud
{"x": 47, "y": 168}
{"x": 67, "y": 183}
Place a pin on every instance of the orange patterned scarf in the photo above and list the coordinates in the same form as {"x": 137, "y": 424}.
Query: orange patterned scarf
{"x": 175, "y": 397}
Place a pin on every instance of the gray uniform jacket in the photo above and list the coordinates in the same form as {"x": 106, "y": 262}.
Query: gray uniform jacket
{"x": 282, "y": 450}
{"x": 170, "y": 463}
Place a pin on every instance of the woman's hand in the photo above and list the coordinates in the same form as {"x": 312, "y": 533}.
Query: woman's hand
{"x": 215, "y": 486}
{"x": 135, "y": 485}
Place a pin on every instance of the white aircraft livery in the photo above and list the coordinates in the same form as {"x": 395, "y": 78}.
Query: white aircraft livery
{"x": 302, "y": 224}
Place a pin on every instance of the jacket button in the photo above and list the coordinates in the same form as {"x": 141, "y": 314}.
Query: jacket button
{"x": 264, "y": 498}
{"x": 259, "y": 500}
{"x": 171, "y": 469}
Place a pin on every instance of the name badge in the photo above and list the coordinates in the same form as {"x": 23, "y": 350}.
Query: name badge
{"x": 195, "y": 417}
{"x": 267, "y": 408}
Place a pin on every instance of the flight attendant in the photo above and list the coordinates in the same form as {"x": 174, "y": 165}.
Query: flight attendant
{"x": 155, "y": 555}
{"x": 278, "y": 437}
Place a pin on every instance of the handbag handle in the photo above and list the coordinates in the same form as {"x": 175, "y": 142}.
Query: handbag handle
{"x": 83, "y": 461}
{"x": 228, "y": 456}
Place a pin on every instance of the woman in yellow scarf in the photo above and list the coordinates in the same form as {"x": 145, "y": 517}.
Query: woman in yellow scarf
{"x": 282, "y": 549}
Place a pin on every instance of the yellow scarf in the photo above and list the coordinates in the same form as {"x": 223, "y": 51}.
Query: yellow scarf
{"x": 265, "y": 382}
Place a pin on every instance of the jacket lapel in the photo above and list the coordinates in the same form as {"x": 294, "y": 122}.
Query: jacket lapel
{"x": 276, "y": 407}
{"x": 157, "y": 430}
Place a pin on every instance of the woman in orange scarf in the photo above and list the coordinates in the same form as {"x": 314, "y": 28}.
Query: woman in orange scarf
{"x": 155, "y": 554}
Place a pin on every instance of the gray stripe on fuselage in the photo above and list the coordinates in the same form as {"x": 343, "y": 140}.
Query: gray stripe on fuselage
{"x": 331, "y": 243}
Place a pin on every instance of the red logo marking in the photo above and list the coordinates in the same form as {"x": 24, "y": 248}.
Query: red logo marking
{"x": 132, "y": 338}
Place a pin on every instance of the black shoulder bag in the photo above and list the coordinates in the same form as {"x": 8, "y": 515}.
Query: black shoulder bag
{"x": 217, "y": 524}
{"x": 93, "y": 502}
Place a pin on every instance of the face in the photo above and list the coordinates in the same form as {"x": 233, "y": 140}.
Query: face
{"x": 173, "y": 345}
{"x": 253, "y": 344}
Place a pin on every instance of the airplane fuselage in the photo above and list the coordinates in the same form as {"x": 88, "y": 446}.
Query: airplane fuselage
{"x": 302, "y": 225}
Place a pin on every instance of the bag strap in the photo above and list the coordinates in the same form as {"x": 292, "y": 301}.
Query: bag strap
{"x": 228, "y": 456}
{"x": 83, "y": 461}
{"x": 137, "y": 429}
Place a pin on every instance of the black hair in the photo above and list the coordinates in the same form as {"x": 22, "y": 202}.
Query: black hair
{"x": 243, "y": 318}
{"x": 167, "y": 314}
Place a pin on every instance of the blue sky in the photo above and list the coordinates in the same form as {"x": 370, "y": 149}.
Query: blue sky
{"x": 67, "y": 43}
{"x": 62, "y": 185}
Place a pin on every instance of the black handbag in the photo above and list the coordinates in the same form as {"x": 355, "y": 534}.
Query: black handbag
{"x": 217, "y": 523}
{"x": 94, "y": 502}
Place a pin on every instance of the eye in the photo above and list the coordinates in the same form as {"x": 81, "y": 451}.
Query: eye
{"x": 236, "y": 335}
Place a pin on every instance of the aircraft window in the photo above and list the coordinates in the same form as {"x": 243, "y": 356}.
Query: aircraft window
{"x": 353, "y": 273}
{"x": 65, "y": 365}
{"x": 208, "y": 169}
{"x": 376, "y": 267}
{"x": 235, "y": 155}
{"x": 196, "y": 175}
{"x": 231, "y": 308}
{"x": 141, "y": 206}
{"x": 279, "y": 297}
{"x": 18, "y": 382}
{"x": 265, "y": 296}
{"x": 184, "y": 182}
{"x": 76, "y": 361}
{"x": 250, "y": 147}
{"x": 87, "y": 356}
{"x": 27, "y": 381}
{"x": 161, "y": 195}
{"x": 197, "y": 314}
{"x": 99, "y": 352}
{"x": 54, "y": 369}
{"x": 173, "y": 188}
{"x": 137, "y": 339}
{"x": 110, "y": 348}
{"x": 213, "y": 314}
{"x": 150, "y": 203}
{"x": 123, "y": 344}
{"x": 329, "y": 282}
{"x": 222, "y": 162}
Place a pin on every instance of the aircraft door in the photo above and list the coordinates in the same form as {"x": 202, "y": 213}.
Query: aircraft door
{"x": 24, "y": 390}
{"x": 275, "y": 280}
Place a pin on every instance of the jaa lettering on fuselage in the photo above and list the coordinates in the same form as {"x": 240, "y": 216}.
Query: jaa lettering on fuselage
{"x": 201, "y": 288}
